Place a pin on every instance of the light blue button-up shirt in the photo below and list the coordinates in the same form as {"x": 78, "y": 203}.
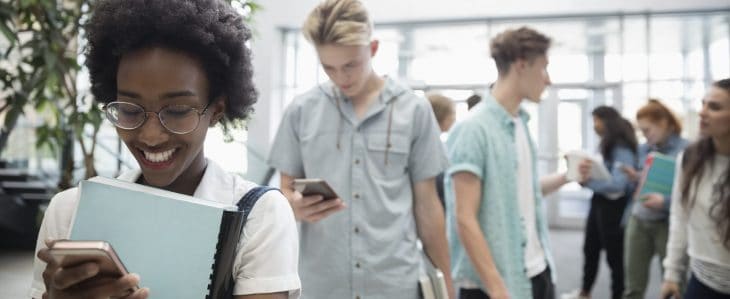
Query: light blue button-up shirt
{"x": 369, "y": 249}
{"x": 484, "y": 144}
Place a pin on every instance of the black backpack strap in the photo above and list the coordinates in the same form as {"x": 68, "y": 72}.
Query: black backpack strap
{"x": 245, "y": 205}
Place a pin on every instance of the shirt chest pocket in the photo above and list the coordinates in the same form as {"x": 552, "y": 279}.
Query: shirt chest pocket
{"x": 387, "y": 159}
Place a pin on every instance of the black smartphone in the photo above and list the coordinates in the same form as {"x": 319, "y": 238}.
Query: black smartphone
{"x": 314, "y": 187}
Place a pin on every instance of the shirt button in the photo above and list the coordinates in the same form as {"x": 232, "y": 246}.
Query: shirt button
{"x": 357, "y": 161}
{"x": 357, "y": 297}
{"x": 357, "y": 265}
{"x": 356, "y": 195}
{"x": 357, "y": 230}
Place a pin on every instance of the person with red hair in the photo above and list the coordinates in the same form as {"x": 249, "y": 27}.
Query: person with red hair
{"x": 648, "y": 223}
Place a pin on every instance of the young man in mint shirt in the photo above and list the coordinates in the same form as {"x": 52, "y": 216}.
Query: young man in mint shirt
{"x": 496, "y": 221}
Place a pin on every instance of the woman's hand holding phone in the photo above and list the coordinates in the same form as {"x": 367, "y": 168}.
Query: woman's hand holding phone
{"x": 85, "y": 280}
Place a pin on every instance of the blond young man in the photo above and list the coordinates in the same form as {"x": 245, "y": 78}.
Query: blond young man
{"x": 377, "y": 145}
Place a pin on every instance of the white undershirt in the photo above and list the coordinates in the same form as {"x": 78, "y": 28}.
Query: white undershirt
{"x": 534, "y": 255}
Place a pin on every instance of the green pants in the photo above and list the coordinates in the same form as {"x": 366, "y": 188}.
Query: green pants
{"x": 643, "y": 240}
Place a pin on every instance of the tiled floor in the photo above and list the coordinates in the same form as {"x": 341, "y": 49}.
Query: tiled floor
{"x": 16, "y": 269}
{"x": 568, "y": 252}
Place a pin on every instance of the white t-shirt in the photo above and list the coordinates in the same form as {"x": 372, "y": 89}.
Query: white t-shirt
{"x": 267, "y": 261}
{"x": 534, "y": 255}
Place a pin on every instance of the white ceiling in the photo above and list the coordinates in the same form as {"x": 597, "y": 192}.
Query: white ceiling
{"x": 290, "y": 13}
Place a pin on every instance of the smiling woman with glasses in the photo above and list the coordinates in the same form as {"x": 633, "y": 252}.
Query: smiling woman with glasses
{"x": 178, "y": 119}
{"x": 186, "y": 62}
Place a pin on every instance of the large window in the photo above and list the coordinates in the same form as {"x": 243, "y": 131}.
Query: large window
{"x": 451, "y": 55}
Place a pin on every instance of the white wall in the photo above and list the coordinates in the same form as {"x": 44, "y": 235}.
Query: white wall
{"x": 267, "y": 45}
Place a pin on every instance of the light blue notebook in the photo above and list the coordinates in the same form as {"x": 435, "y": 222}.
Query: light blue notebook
{"x": 169, "y": 239}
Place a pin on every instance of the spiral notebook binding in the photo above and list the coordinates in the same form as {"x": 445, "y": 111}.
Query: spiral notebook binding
{"x": 221, "y": 282}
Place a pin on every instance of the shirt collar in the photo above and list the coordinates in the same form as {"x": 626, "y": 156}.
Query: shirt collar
{"x": 672, "y": 142}
{"x": 496, "y": 109}
{"x": 392, "y": 89}
{"x": 215, "y": 185}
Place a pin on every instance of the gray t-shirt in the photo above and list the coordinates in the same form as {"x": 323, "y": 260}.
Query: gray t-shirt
{"x": 369, "y": 249}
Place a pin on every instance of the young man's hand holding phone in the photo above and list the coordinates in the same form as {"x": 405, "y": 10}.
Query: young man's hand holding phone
{"x": 311, "y": 199}
{"x": 86, "y": 269}
{"x": 312, "y": 187}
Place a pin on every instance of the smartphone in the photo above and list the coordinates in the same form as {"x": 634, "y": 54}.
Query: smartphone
{"x": 314, "y": 187}
{"x": 68, "y": 253}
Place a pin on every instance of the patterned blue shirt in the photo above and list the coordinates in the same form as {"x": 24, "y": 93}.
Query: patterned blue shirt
{"x": 484, "y": 144}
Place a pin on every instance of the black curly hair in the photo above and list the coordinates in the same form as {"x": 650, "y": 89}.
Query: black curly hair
{"x": 210, "y": 30}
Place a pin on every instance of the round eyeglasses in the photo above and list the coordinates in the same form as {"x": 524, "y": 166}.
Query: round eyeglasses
{"x": 178, "y": 119}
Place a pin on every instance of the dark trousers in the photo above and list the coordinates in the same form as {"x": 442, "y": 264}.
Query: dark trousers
{"x": 604, "y": 231}
{"x": 698, "y": 290}
{"x": 542, "y": 288}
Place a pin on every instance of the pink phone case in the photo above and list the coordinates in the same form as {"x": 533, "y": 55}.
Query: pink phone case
{"x": 69, "y": 253}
